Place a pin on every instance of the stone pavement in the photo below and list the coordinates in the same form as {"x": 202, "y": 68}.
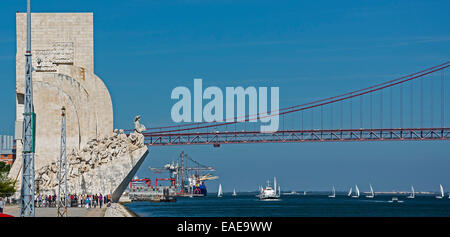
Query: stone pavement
{"x": 51, "y": 211}
{"x": 118, "y": 210}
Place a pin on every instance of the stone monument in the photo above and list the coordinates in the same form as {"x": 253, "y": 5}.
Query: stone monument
{"x": 63, "y": 75}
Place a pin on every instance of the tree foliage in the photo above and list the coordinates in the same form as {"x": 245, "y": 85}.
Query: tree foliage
{"x": 6, "y": 185}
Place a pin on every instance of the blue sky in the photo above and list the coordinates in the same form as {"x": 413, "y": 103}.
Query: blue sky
{"x": 144, "y": 49}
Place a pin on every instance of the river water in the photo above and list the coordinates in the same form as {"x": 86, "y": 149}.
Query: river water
{"x": 311, "y": 205}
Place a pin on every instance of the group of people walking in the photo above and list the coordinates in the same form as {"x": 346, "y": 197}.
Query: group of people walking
{"x": 74, "y": 200}
{"x": 92, "y": 201}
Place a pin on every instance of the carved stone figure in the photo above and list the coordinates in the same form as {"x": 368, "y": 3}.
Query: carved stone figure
{"x": 96, "y": 152}
{"x": 122, "y": 135}
{"x": 138, "y": 129}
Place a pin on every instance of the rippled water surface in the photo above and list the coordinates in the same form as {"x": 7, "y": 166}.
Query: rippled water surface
{"x": 247, "y": 205}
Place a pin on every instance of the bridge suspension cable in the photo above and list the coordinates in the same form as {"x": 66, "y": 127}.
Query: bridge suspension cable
{"x": 255, "y": 116}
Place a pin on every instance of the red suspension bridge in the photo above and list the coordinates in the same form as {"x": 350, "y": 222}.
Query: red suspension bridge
{"x": 412, "y": 107}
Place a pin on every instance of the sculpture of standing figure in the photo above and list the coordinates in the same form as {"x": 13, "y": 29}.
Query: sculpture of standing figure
{"x": 138, "y": 129}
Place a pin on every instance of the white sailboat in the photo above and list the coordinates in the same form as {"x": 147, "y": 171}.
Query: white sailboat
{"x": 350, "y": 192}
{"x": 372, "y": 195}
{"x": 413, "y": 195}
{"x": 357, "y": 192}
{"x": 219, "y": 193}
{"x": 234, "y": 192}
{"x": 442, "y": 193}
{"x": 333, "y": 194}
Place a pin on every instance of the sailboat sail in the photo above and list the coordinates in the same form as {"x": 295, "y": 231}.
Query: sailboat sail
{"x": 412, "y": 195}
{"x": 357, "y": 191}
{"x": 350, "y": 192}
{"x": 442, "y": 192}
{"x": 334, "y": 193}
{"x": 219, "y": 193}
{"x": 234, "y": 192}
{"x": 372, "y": 194}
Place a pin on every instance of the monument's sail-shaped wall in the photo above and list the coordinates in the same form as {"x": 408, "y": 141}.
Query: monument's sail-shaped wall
{"x": 63, "y": 75}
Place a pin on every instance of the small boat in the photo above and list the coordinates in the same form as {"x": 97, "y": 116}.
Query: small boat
{"x": 234, "y": 193}
{"x": 269, "y": 193}
{"x": 291, "y": 193}
{"x": 372, "y": 195}
{"x": 413, "y": 195}
{"x": 219, "y": 193}
{"x": 395, "y": 199}
{"x": 442, "y": 193}
{"x": 350, "y": 192}
{"x": 304, "y": 193}
{"x": 357, "y": 192}
{"x": 333, "y": 195}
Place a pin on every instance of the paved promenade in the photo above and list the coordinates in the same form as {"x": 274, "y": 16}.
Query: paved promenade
{"x": 51, "y": 211}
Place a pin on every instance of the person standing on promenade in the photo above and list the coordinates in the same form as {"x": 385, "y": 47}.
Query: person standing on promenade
{"x": 100, "y": 200}
{"x": 2, "y": 204}
{"x": 75, "y": 200}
